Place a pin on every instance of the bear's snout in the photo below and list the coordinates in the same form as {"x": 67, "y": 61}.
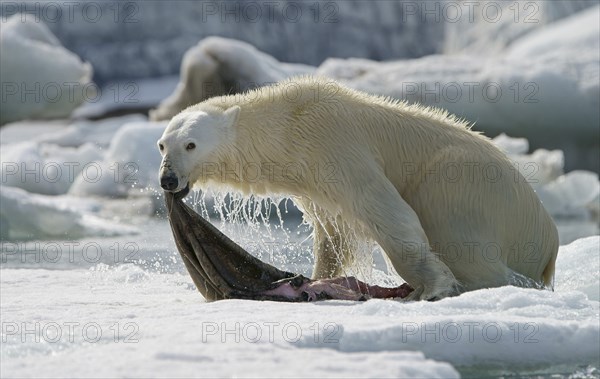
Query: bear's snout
{"x": 169, "y": 182}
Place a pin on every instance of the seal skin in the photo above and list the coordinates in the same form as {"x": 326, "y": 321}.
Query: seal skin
{"x": 221, "y": 269}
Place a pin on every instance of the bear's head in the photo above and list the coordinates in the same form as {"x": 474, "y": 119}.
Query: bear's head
{"x": 190, "y": 141}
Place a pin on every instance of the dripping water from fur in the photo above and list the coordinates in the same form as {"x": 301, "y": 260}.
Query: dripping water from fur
{"x": 262, "y": 226}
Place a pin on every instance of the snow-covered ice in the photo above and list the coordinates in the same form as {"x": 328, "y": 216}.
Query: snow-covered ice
{"x": 27, "y": 216}
{"x": 157, "y": 325}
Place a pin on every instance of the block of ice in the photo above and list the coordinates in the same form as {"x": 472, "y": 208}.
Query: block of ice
{"x": 40, "y": 78}
{"x": 216, "y": 66}
{"x": 26, "y": 216}
{"x": 131, "y": 162}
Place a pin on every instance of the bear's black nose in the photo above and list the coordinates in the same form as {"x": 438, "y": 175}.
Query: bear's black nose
{"x": 169, "y": 182}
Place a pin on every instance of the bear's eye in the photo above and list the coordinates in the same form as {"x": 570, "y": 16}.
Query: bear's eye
{"x": 190, "y": 146}
{"x": 161, "y": 147}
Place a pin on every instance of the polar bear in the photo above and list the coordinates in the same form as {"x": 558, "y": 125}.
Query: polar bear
{"x": 447, "y": 207}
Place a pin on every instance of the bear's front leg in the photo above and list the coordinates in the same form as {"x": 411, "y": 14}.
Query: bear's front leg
{"x": 396, "y": 227}
{"x": 332, "y": 249}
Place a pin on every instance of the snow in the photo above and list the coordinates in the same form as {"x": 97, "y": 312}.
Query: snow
{"x": 157, "y": 325}
{"x": 570, "y": 276}
{"x": 40, "y": 78}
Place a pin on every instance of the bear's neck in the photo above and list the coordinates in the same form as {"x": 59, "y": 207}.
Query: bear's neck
{"x": 258, "y": 156}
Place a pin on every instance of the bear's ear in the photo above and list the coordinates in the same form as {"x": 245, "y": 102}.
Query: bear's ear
{"x": 231, "y": 115}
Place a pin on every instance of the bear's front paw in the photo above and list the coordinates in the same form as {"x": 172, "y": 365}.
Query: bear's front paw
{"x": 434, "y": 293}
